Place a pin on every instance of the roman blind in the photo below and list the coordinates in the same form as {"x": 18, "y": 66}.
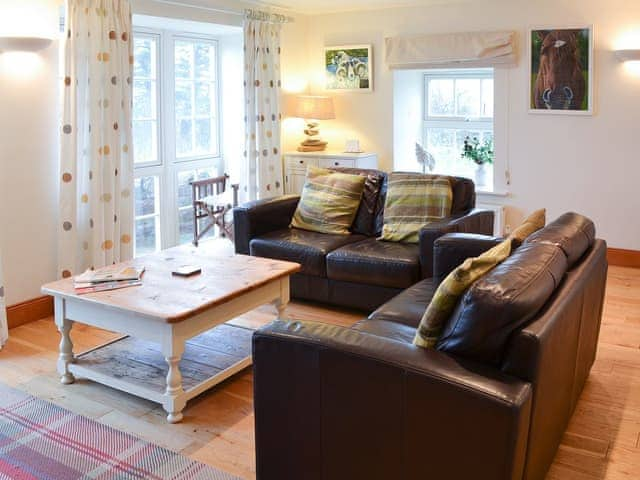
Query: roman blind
{"x": 469, "y": 49}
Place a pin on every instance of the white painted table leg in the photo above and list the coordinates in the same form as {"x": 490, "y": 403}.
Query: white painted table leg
{"x": 65, "y": 356}
{"x": 174, "y": 401}
{"x": 282, "y": 302}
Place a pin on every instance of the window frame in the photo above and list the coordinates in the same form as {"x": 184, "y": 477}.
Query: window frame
{"x": 149, "y": 33}
{"x": 498, "y": 122}
{"x": 169, "y": 168}
{"x": 481, "y": 74}
{"x": 213, "y": 41}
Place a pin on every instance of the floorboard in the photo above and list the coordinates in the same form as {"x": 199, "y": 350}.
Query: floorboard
{"x": 601, "y": 443}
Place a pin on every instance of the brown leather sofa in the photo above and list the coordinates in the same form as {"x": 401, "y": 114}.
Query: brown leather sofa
{"x": 352, "y": 270}
{"x": 491, "y": 402}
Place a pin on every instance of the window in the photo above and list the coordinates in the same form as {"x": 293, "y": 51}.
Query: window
{"x": 194, "y": 99}
{"x": 458, "y": 104}
{"x": 175, "y": 130}
{"x": 147, "y": 211}
{"x": 145, "y": 99}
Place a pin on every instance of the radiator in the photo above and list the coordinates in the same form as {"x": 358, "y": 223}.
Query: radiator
{"x": 498, "y": 217}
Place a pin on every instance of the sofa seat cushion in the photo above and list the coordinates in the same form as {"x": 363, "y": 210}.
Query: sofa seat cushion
{"x": 407, "y": 307}
{"x": 388, "y": 264}
{"x": 382, "y": 328}
{"x": 309, "y": 249}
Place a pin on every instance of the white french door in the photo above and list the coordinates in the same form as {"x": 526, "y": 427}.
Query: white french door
{"x": 176, "y": 131}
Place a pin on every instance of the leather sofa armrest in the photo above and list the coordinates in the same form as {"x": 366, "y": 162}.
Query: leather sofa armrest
{"x": 475, "y": 221}
{"x": 327, "y": 396}
{"x": 258, "y": 217}
{"x": 452, "y": 249}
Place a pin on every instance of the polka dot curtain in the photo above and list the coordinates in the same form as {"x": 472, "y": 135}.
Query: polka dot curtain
{"x": 262, "y": 166}
{"x": 4, "y": 333}
{"x": 96, "y": 177}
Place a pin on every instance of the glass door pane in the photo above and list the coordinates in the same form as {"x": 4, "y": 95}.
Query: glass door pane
{"x": 145, "y": 99}
{"x": 147, "y": 215}
{"x": 195, "y": 92}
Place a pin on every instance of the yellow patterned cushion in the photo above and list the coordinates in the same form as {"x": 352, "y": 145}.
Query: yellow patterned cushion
{"x": 532, "y": 223}
{"x": 452, "y": 288}
{"x": 329, "y": 201}
{"x": 413, "y": 201}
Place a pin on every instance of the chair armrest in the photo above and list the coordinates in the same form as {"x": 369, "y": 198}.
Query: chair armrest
{"x": 452, "y": 249}
{"x": 327, "y": 398}
{"x": 256, "y": 218}
{"x": 475, "y": 221}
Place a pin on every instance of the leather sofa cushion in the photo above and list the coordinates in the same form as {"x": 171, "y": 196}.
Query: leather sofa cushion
{"x": 383, "y": 328}
{"x": 407, "y": 307}
{"x": 372, "y": 203}
{"x": 388, "y": 264}
{"x": 502, "y": 301}
{"x": 309, "y": 249}
{"x": 572, "y": 232}
{"x": 464, "y": 195}
{"x": 452, "y": 288}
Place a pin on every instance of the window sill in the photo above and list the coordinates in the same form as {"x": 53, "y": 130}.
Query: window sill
{"x": 493, "y": 193}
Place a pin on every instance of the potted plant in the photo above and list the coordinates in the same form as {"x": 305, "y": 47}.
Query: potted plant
{"x": 481, "y": 154}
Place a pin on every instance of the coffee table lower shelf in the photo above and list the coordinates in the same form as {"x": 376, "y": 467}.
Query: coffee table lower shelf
{"x": 138, "y": 366}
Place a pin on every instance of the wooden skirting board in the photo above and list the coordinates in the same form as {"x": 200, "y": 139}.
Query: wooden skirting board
{"x": 623, "y": 258}
{"x": 29, "y": 311}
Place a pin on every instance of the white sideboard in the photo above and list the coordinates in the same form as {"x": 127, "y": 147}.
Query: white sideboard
{"x": 295, "y": 165}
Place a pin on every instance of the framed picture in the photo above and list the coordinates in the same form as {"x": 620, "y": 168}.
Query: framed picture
{"x": 348, "y": 68}
{"x": 561, "y": 70}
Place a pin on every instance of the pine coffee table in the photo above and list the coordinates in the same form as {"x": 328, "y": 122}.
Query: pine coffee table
{"x": 175, "y": 344}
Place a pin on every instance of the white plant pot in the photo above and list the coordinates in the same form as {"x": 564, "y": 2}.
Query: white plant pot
{"x": 481, "y": 176}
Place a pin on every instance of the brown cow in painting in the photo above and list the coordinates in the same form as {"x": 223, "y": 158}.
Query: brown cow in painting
{"x": 560, "y": 84}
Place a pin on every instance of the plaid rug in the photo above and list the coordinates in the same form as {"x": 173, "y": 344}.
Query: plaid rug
{"x": 39, "y": 440}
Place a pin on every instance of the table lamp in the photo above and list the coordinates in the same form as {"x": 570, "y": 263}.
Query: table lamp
{"x": 311, "y": 109}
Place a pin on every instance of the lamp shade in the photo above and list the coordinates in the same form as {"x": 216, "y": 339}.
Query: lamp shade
{"x": 313, "y": 107}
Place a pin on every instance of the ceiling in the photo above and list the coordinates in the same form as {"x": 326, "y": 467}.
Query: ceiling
{"x": 334, "y": 6}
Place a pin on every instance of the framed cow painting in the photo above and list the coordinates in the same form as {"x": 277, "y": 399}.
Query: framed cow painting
{"x": 561, "y": 70}
{"x": 348, "y": 68}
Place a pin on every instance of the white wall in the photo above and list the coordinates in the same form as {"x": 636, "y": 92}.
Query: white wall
{"x": 586, "y": 164}
{"x": 28, "y": 155}
{"x": 232, "y": 103}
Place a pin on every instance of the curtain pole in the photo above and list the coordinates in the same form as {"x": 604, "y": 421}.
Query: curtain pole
{"x": 248, "y": 13}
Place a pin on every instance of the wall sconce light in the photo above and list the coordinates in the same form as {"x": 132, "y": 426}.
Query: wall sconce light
{"x": 628, "y": 55}
{"x": 24, "y": 44}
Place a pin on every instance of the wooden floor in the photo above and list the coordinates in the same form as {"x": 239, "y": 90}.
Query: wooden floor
{"x": 602, "y": 442}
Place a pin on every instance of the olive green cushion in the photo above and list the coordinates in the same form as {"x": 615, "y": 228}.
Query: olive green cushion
{"x": 413, "y": 201}
{"x": 329, "y": 201}
{"x": 532, "y": 223}
{"x": 451, "y": 289}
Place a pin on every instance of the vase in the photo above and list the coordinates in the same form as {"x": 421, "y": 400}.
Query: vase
{"x": 481, "y": 176}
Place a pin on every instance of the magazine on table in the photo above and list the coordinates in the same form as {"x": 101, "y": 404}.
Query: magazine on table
{"x": 108, "y": 278}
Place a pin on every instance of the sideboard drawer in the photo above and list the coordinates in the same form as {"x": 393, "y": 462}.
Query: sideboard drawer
{"x": 337, "y": 162}
{"x": 300, "y": 163}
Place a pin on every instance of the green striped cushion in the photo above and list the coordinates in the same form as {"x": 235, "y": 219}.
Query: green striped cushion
{"x": 414, "y": 200}
{"x": 329, "y": 201}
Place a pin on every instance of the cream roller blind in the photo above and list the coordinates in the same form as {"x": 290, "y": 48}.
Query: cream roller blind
{"x": 471, "y": 49}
